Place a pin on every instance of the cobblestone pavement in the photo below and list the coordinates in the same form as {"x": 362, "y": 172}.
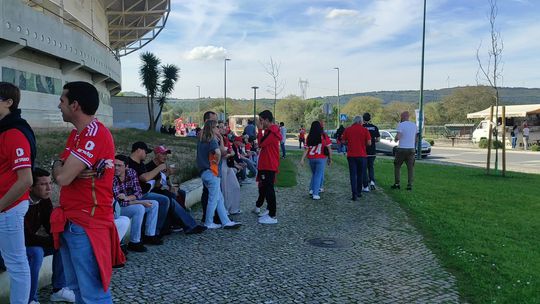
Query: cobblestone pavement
{"x": 387, "y": 262}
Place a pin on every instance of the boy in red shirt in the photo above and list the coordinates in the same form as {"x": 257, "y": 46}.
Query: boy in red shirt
{"x": 83, "y": 226}
{"x": 301, "y": 137}
{"x": 357, "y": 138}
{"x": 17, "y": 152}
{"x": 269, "y": 138}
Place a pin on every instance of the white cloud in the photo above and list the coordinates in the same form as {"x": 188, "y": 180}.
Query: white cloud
{"x": 209, "y": 52}
{"x": 338, "y": 13}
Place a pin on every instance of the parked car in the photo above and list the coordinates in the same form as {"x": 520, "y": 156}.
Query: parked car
{"x": 332, "y": 135}
{"x": 388, "y": 144}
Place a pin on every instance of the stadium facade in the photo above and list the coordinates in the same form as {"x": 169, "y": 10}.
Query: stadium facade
{"x": 46, "y": 43}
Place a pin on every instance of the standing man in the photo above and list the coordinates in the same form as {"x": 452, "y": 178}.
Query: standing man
{"x": 283, "y": 132}
{"x": 357, "y": 138}
{"x": 301, "y": 137}
{"x": 369, "y": 178}
{"x": 269, "y": 138}
{"x": 17, "y": 153}
{"x": 407, "y": 137}
{"x": 250, "y": 131}
{"x": 83, "y": 226}
{"x": 526, "y": 131}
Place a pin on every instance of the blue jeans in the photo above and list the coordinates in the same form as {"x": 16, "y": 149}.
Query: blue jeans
{"x": 369, "y": 174}
{"x": 80, "y": 266}
{"x": 136, "y": 213}
{"x": 514, "y": 142}
{"x": 317, "y": 166}
{"x": 215, "y": 199}
{"x": 283, "y": 153}
{"x": 357, "y": 165}
{"x": 164, "y": 204}
{"x": 14, "y": 252}
{"x": 35, "y": 260}
{"x": 250, "y": 165}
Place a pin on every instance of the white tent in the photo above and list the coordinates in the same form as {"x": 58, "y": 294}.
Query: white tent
{"x": 511, "y": 111}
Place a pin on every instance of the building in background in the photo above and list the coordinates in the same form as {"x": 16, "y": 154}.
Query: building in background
{"x": 46, "y": 43}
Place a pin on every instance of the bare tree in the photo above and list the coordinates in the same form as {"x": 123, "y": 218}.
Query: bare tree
{"x": 491, "y": 68}
{"x": 272, "y": 68}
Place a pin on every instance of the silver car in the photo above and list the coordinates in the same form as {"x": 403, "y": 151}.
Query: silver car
{"x": 388, "y": 145}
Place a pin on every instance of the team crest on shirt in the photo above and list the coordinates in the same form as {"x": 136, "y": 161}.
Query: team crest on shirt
{"x": 19, "y": 152}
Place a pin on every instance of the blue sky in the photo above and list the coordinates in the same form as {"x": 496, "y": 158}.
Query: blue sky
{"x": 375, "y": 43}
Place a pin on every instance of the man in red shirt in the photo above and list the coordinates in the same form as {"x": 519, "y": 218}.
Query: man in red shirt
{"x": 269, "y": 138}
{"x": 83, "y": 226}
{"x": 17, "y": 151}
{"x": 357, "y": 138}
{"x": 301, "y": 137}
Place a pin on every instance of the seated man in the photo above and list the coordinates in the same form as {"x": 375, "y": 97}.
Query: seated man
{"x": 39, "y": 241}
{"x": 163, "y": 186}
{"x": 127, "y": 192}
{"x": 135, "y": 162}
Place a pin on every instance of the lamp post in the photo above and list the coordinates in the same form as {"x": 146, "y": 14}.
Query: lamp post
{"x": 254, "y": 102}
{"x": 338, "y": 111}
{"x": 420, "y": 117}
{"x": 225, "y": 89}
{"x": 199, "y": 102}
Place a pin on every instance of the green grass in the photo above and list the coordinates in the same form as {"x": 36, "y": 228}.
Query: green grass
{"x": 51, "y": 143}
{"x": 484, "y": 229}
{"x": 287, "y": 173}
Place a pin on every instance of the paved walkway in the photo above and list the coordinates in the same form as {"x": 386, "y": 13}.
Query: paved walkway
{"x": 386, "y": 261}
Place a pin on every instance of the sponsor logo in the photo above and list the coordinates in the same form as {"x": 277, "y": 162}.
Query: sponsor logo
{"x": 90, "y": 155}
{"x": 90, "y": 145}
{"x": 22, "y": 160}
{"x": 19, "y": 152}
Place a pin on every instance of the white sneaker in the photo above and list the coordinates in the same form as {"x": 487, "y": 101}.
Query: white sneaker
{"x": 321, "y": 190}
{"x": 257, "y": 210}
{"x": 34, "y": 302}
{"x": 213, "y": 226}
{"x": 63, "y": 295}
{"x": 247, "y": 181}
{"x": 232, "y": 225}
{"x": 365, "y": 189}
{"x": 372, "y": 185}
{"x": 316, "y": 197}
{"x": 267, "y": 220}
{"x": 310, "y": 192}
{"x": 264, "y": 213}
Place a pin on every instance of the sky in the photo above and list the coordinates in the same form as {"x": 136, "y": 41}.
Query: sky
{"x": 376, "y": 44}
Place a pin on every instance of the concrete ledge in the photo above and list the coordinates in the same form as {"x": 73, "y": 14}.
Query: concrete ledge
{"x": 193, "y": 190}
{"x": 45, "y": 275}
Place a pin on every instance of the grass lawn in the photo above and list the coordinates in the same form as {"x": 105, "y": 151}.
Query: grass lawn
{"x": 287, "y": 173}
{"x": 51, "y": 143}
{"x": 484, "y": 229}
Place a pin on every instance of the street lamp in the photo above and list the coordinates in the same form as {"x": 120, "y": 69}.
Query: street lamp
{"x": 199, "y": 103}
{"x": 254, "y": 102}
{"x": 420, "y": 117}
{"x": 338, "y": 112}
{"x": 225, "y": 89}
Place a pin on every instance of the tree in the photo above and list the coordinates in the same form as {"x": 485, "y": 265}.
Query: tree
{"x": 434, "y": 114}
{"x": 491, "y": 69}
{"x": 149, "y": 74}
{"x": 272, "y": 68}
{"x": 391, "y": 113}
{"x": 466, "y": 100}
{"x": 360, "y": 105}
{"x": 170, "y": 76}
{"x": 293, "y": 109}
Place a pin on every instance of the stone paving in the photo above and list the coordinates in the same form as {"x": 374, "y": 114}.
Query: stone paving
{"x": 387, "y": 262}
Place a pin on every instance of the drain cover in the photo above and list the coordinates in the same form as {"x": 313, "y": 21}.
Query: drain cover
{"x": 329, "y": 242}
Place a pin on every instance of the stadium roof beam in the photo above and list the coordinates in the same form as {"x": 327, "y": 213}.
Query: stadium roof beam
{"x": 134, "y": 23}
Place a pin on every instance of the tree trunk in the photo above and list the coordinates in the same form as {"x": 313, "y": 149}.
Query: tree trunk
{"x": 158, "y": 115}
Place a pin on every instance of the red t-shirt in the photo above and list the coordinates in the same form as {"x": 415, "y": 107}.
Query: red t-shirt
{"x": 302, "y": 133}
{"x": 94, "y": 146}
{"x": 14, "y": 155}
{"x": 318, "y": 150}
{"x": 269, "y": 155}
{"x": 356, "y": 137}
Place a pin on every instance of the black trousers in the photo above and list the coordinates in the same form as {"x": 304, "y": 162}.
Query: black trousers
{"x": 204, "y": 203}
{"x": 266, "y": 190}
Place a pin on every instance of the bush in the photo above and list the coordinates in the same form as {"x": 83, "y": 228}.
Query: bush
{"x": 483, "y": 144}
{"x": 430, "y": 141}
{"x": 535, "y": 148}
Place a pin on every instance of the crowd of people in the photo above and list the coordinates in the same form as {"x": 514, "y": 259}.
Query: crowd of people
{"x": 105, "y": 194}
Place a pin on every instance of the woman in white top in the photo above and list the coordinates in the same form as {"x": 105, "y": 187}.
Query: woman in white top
{"x": 525, "y": 136}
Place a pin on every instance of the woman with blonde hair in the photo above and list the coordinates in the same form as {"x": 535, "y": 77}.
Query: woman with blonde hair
{"x": 208, "y": 161}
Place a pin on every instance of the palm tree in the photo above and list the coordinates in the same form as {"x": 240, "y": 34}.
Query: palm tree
{"x": 170, "y": 76}
{"x": 149, "y": 74}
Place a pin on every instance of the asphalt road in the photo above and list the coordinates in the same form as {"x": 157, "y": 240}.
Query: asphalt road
{"x": 520, "y": 161}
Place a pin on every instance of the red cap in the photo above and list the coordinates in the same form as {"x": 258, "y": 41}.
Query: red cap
{"x": 162, "y": 150}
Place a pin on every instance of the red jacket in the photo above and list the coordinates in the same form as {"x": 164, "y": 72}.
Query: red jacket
{"x": 269, "y": 145}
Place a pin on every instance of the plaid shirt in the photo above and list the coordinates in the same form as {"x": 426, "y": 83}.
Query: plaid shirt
{"x": 130, "y": 186}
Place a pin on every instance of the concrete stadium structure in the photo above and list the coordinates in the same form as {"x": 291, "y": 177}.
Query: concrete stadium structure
{"x": 46, "y": 43}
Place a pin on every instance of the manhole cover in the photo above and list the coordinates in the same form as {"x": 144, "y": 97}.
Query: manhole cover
{"x": 329, "y": 242}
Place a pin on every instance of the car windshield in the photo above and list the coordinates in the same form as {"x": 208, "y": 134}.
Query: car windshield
{"x": 393, "y": 133}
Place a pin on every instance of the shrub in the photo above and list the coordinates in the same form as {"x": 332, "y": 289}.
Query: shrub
{"x": 535, "y": 148}
{"x": 483, "y": 144}
{"x": 430, "y": 141}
